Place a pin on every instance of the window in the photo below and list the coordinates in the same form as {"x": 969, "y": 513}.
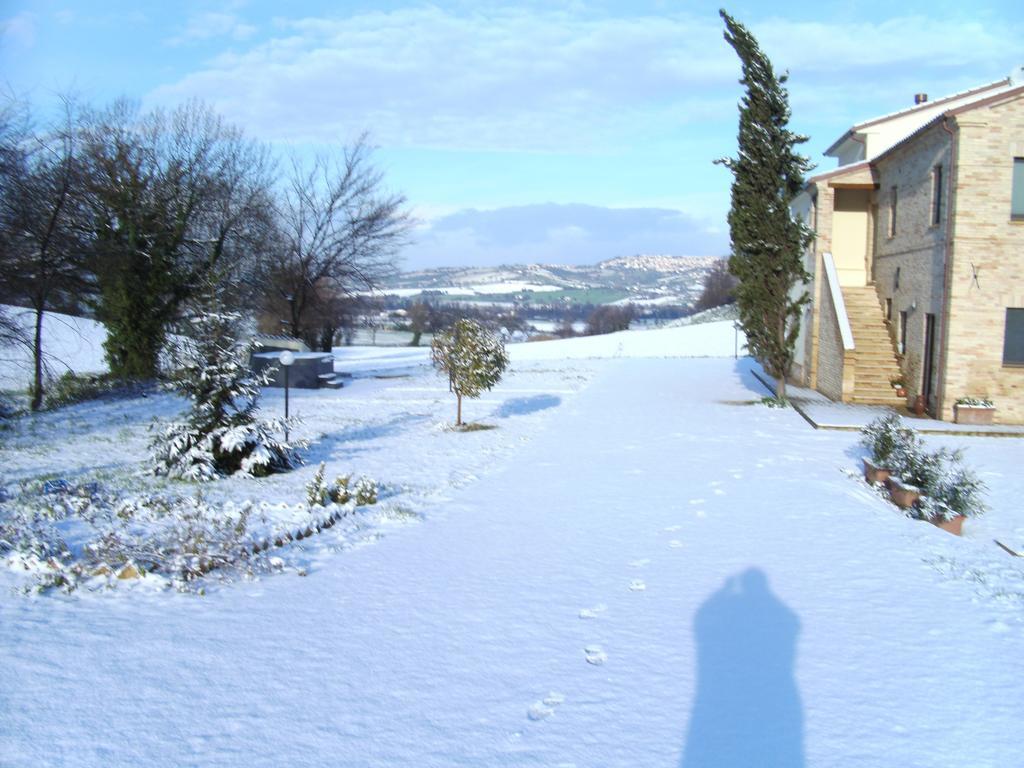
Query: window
{"x": 937, "y": 195}
{"x": 1017, "y": 202}
{"x": 888, "y": 309}
{"x": 892, "y": 212}
{"x": 1013, "y": 341}
{"x": 903, "y": 332}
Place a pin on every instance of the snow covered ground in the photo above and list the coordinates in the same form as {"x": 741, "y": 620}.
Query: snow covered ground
{"x": 636, "y": 567}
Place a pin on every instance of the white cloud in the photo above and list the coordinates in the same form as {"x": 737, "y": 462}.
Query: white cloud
{"x": 206, "y": 26}
{"x": 512, "y": 79}
{"x": 18, "y": 31}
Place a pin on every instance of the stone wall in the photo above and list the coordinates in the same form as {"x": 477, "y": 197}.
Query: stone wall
{"x": 908, "y": 265}
{"x": 830, "y": 348}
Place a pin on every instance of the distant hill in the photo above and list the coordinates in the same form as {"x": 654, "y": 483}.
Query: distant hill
{"x": 641, "y": 279}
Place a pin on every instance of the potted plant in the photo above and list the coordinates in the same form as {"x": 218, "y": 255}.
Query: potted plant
{"x": 899, "y": 384}
{"x": 903, "y": 494}
{"x": 947, "y": 491}
{"x": 954, "y": 496}
{"x": 934, "y": 485}
{"x": 889, "y": 442}
{"x": 973, "y": 410}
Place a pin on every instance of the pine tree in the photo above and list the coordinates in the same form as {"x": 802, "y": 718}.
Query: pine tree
{"x": 221, "y": 434}
{"x": 767, "y": 242}
{"x": 473, "y": 357}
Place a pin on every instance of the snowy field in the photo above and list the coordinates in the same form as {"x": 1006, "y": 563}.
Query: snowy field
{"x": 71, "y": 344}
{"x": 636, "y": 566}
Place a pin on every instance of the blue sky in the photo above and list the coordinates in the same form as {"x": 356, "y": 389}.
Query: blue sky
{"x": 558, "y": 132}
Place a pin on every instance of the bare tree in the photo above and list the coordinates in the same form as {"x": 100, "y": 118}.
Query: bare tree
{"x": 178, "y": 200}
{"x": 340, "y": 233}
{"x": 609, "y": 319}
{"x": 419, "y": 314}
{"x": 719, "y": 287}
{"x": 42, "y": 246}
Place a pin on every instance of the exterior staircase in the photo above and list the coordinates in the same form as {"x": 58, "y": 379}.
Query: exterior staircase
{"x": 875, "y": 355}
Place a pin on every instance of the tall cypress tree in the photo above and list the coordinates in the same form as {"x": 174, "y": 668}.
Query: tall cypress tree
{"x": 767, "y": 242}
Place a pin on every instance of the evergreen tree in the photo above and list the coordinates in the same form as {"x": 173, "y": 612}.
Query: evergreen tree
{"x": 767, "y": 242}
{"x": 473, "y": 357}
{"x": 221, "y": 434}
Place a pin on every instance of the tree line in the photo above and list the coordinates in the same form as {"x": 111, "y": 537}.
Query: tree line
{"x": 141, "y": 217}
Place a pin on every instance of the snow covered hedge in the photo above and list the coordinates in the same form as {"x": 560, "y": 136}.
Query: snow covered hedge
{"x": 68, "y": 536}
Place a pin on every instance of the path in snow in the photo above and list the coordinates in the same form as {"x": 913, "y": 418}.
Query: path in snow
{"x": 661, "y": 577}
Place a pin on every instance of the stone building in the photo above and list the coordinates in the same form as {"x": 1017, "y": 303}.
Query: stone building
{"x": 917, "y": 268}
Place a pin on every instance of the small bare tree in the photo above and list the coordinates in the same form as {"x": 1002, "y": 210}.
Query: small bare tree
{"x": 340, "y": 232}
{"x": 719, "y": 287}
{"x": 42, "y": 245}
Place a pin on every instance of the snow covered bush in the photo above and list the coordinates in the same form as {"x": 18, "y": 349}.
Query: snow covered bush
{"x": 321, "y": 493}
{"x": 66, "y": 536}
{"x": 221, "y": 434}
{"x": 948, "y": 488}
{"x": 473, "y": 357}
{"x": 975, "y": 402}
{"x": 890, "y": 442}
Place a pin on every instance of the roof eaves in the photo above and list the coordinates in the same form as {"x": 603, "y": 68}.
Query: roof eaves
{"x": 837, "y": 142}
{"x": 917, "y": 107}
{"x": 840, "y": 171}
{"x": 928, "y": 104}
{"x": 995, "y": 99}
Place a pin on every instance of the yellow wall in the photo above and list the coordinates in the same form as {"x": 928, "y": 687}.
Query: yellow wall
{"x": 850, "y": 224}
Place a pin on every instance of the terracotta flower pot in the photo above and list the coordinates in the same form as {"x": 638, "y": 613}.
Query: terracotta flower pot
{"x": 954, "y": 526}
{"x": 903, "y": 496}
{"x": 919, "y": 405}
{"x": 901, "y": 391}
{"x": 874, "y": 474}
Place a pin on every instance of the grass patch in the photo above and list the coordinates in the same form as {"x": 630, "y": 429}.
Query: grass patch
{"x": 473, "y": 426}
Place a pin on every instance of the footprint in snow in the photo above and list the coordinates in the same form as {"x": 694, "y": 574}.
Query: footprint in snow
{"x": 637, "y": 585}
{"x": 545, "y": 708}
{"x": 640, "y": 563}
{"x": 719, "y": 492}
{"x": 675, "y": 544}
{"x": 595, "y": 655}
{"x": 673, "y": 528}
{"x": 593, "y": 613}
{"x": 696, "y": 501}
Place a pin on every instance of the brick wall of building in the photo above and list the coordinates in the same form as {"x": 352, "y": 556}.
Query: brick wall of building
{"x": 987, "y": 273}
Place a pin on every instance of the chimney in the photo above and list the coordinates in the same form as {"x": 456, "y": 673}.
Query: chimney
{"x": 920, "y": 98}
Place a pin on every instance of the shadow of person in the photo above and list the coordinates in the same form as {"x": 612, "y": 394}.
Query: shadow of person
{"x": 747, "y": 710}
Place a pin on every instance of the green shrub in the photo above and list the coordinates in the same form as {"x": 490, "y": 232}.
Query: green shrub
{"x": 71, "y": 388}
{"x": 319, "y": 493}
